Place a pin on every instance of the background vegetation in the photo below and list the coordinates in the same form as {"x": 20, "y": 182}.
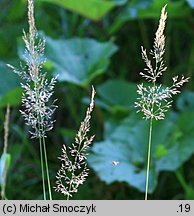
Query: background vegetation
{"x": 97, "y": 42}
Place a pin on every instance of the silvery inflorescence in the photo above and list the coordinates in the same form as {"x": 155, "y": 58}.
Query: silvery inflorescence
{"x": 37, "y": 89}
{"x": 155, "y": 100}
{"x": 74, "y": 171}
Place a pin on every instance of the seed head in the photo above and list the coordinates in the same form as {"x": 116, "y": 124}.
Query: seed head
{"x": 154, "y": 100}
{"x": 73, "y": 171}
{"x": 38, "y": 90}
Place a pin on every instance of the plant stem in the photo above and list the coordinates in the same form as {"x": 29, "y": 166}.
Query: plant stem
{"x": 148, "y": 159}
{"x": 42, "y": 168}
{"x": 188, "y": 189}
{"x": 41, "y": 146}
{"x": 68, "y": 197}
{"x": 181, "y": 180}
{"x": 47, "y": 170}
{"x": 69, "y": 190}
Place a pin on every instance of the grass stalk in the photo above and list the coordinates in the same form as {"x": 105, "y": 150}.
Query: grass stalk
{"x": 154, "y": 101}
{"x": 148, "y": 159}
{"x": 68, "y": 195}
{"x": 47, "y": 169}
{"x": 42, "y": 169}
{"x": 74, "y": 170}
{"x": 37, "y": 93}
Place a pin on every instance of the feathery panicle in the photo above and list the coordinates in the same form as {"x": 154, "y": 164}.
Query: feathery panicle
{"x": 31, "y": 21}
{"x": 151, "y": 74}
{"x": 155, "y": 100}
{"x": 73, "y": 171}
{"x": 159, "y": 42}
{"x": 37, "y": 89}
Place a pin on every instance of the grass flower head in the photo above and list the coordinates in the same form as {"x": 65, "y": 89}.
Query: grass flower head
{"x": 154, "y": 100}
{"x": 37, "y": 89}
{"x": 74, "y": 170}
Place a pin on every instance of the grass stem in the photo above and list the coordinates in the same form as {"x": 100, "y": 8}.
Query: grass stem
{"x": 42, "y": 168}
{"x": 47, "y": 169}
{"x": 148, "y": 159}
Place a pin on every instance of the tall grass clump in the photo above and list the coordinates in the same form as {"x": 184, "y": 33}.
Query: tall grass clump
{"x": 37, "y": 91}
{"x": 5, "y": 158}
{"x": 155, "y": 100}
{"x": 74, "y": 170}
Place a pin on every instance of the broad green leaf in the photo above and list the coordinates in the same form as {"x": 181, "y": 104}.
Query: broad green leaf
{"x": 92, "y": 9}
{"x": 10, "y": 92}
{"x": 185, "y": 101}
{"x": 149, "y": 9}
{"x": 175, "y": 9}
{"x": 130, "y": 11}
{"x": 181, "y": 146}
{"x": 172, "y": 145}
{"x": 4, "y": 165}
{"x": 108, "y": 151}
{"x": 160, "y": 151}
{"x": 117, "y": 95}
{"x": 126, "y": 146}
{"x": 78, "y": 60}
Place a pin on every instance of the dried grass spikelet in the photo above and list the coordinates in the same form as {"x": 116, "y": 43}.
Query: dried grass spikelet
{"x": 155, "y": 100}
{"x": 37, "y": 89}
{"x": 73, "y": 171}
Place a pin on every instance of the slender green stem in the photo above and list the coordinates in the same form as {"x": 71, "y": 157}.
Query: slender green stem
{"x": 47, "y": 169}
{"x": 148, "y": 159}
{"x": 68, "y": 197}
{"x": 69, "y": 190}
{"x": 41, "y": 145}
{"x": 188, "y": 189}
{"x": 42, "y": 168}
{"x": 181, "y": 179}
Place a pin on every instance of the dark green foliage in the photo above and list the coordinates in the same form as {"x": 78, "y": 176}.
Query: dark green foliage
{"x": 117, "y": 95}
{"x": 78, "y": 60}
{"x": 100, "y": 45}
{"x": 172, "y": 146}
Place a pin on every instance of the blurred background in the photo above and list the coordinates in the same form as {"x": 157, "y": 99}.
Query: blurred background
{"x": 98, "y": 42}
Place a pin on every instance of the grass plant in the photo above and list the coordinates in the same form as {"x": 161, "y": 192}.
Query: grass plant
{"x": 155, "y": 100}
{"x": 37, "y": 91}
{"x": 74, "y": 170}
